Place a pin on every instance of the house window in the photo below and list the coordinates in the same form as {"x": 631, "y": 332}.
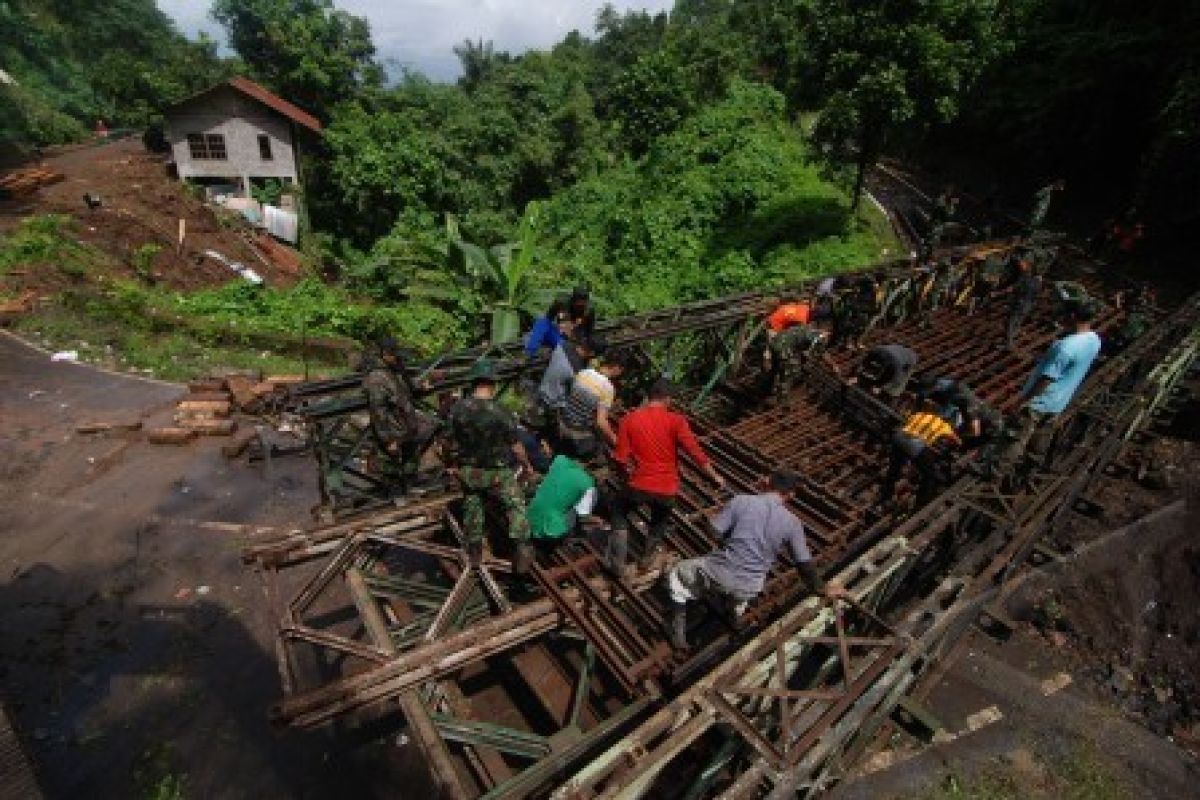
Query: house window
{"x": 264, "y": 147}
{"x": 207, "y": 146}
{"x": 196, "y": 146}
{"x": 216, "y": 146}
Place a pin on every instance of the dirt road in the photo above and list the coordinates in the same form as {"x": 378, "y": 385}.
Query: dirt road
{"x": 132, "y": 643}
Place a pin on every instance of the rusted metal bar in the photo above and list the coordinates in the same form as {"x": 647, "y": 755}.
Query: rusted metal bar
{"x": 424, "y": 733}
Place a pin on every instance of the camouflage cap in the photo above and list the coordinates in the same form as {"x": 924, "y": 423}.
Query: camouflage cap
{"x": 483, "y": 370}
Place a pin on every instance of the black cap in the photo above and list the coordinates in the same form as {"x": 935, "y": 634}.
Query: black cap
{"x": 597, "y": 344}
{"x": 662, "y": 389}
{"x": 784, "y": 480}
{"x": 1080, "y": 310}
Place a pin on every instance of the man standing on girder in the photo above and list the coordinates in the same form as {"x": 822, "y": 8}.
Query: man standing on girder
{"x": 1054, "y": 382}
{"x": 648, "y": 443}
{"x": 1024, "y": 288}
{"x": 584, "y": 421}
{"x": 755, "y": 528}
{"x": 484, "y": 434}
{"x": 401, "y": 432}
{"x": 789, "y": 352}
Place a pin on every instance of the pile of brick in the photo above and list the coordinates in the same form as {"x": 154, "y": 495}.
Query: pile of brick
{"x": 207, "y": 408}
{"x": 27, "y": 181}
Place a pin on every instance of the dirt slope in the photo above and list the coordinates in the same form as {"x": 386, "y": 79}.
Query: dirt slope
{"x": 141, "y": 204}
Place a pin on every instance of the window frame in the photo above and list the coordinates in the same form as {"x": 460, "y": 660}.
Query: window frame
{"x": 197, "y": 146}
{"x": 207, "y": 147}
{"x": 265, "y": 151}
{"x": 215, "y": 143}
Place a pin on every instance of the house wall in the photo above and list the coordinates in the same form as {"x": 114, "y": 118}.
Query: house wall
{"x": 240, "y": 120}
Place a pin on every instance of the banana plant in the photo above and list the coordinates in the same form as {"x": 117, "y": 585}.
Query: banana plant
{"x": 477, "y": 278}
{"x": 499, "y": 276}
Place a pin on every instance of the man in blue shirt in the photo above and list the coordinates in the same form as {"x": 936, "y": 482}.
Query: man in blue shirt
{"x": 547, "y": 330}
{"x": 1054, "y": 381}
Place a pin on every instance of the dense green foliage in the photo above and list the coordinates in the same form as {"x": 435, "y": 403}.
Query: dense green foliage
{"x": 883, "y": 69}
{"x": 658, "y": 159}
{"x": 76, "y": 61}
{"x": 1104, "y": 93}
{"x": 728, "y": 202}
{"x": 308, "y": 51}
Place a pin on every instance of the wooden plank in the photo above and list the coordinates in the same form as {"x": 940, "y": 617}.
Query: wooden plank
{"x": 171, "y": 436}
{"x": 17, "y": 778}
{"x": 423, "y": 731}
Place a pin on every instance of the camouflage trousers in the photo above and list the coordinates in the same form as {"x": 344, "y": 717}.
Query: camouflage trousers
{"x": 480, "y": 483}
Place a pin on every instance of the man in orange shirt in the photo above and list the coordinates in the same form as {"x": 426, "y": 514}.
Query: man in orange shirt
{"x": 648, "y": 443}
{"x": 792, "y": 311}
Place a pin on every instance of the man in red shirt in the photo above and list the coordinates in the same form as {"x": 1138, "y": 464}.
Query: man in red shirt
{"x": 648, "y": 442}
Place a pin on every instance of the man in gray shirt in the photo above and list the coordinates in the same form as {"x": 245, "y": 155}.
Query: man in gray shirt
{"x": 756, "y": 527}
{"x": 887, "y": 368}
{"x": 568, "y": 358}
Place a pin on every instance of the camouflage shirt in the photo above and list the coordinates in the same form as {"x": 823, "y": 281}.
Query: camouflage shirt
{"x": 483, "y": 432}
{"x": 390, "y": 401}
{"x": 796, "y": 340}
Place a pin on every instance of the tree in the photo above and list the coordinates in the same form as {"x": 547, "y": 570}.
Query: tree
{"x": 306, "y": 50}
{"x": 889, "y": 68}
{"x": 479, "y": 61}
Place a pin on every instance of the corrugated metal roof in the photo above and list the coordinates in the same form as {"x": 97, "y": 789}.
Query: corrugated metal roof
{"x": 267, "y": 98}
{"x": 274, "y": 101}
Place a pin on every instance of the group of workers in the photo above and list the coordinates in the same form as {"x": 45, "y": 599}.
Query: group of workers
{"x": 948, "y": 417}
{"x": 569, "y": 426}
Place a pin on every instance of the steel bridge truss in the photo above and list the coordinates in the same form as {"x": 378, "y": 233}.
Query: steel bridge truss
{"x": 381, "y": 613}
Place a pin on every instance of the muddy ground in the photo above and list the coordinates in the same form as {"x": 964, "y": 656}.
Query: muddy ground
{"x": 134, "y": 650}
{"x": 140, "y": 204}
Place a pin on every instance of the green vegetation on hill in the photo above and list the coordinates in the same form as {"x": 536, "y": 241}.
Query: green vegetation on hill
{"x": 78, "y": 61}
{"x": 657, "y": 159}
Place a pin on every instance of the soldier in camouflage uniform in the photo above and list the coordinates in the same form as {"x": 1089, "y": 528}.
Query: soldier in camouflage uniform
{"x": 484, "y": 435}
{"x": 401, "y": 432}
{"x": 790, "y": 351}
{"x": 988, "y": 274}
{"x": 1041, "y": 204}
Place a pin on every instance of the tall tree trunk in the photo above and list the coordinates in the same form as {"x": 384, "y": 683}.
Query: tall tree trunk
{"x": 860, "y": 178}
{"x": 866, "y": 157}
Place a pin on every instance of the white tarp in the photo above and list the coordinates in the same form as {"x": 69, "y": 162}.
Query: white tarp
{"x": 281, "y": 224}
{"x": 241, "y": 269}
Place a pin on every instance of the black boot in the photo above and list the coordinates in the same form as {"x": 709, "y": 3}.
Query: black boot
{"x": 678, "y": 630}
{"x": 521, "y": 587}
{"x": 618, "y": 550}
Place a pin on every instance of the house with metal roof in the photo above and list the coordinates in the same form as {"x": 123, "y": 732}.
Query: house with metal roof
{"x": 238, "y": 133}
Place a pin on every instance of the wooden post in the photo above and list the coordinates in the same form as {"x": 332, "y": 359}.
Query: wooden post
{"x": 423, "y": 731}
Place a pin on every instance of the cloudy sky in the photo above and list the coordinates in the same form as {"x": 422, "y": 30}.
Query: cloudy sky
{"x": 420, "y": 33}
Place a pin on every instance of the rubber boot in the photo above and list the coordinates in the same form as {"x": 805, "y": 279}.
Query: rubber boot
{"x": 618, "y": 549}
{"x": 678, "y": 632}
{"x": 653, "y": 543}
{"x": 521, "y": 587}
{"x": 522, "y": 560}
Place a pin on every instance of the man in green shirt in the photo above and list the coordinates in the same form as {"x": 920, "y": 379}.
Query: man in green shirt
{"x": 566, "y": 494}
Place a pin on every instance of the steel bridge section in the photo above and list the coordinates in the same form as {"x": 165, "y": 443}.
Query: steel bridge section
{"x": 795, "y": 695}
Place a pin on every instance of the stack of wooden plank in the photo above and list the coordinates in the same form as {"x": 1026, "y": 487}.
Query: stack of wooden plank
{"x": 27, "y": 181}
{"x": 207, "y": 407}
